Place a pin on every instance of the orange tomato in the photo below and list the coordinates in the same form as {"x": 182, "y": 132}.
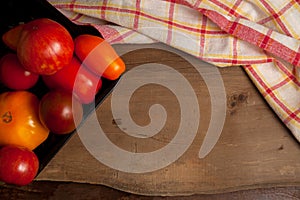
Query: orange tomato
{"x": 99, "y": 56}
{"x": 20, "y": 124}
{"x": 12, "y": 36}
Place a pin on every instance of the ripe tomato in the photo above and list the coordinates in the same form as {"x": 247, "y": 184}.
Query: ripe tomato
{"x": 12, "y": 36}
{"x": 19, "y": 120}
{"x": 76, "y": 79}
{"x": 99, "y": 56}
{"x": 18, "y": 165}
{"x": 14, "y": 76}
{"x": 45, "y": 46}
{"x": 60, "y": 111}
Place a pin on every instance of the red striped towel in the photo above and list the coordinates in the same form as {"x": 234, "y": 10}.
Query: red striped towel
{"x": 260, "y": 35}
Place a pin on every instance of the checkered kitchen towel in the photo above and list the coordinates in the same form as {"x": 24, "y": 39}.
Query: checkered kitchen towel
{"x": 260, "y": 35}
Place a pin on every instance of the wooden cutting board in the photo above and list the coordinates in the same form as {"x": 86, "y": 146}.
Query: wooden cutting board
{"x": 253, "y": 150}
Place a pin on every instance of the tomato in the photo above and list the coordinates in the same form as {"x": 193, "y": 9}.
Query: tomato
{"x": 99, "y": 56}
{"x": 18, "y": 165}
{"x": 12, "y": 36}
{"x": 20, "y": 124}
{"x": 45, "y": 46}
{"x": 60, "y": 112}
{"x": 14, "y": 76}
{"x": 76, "y": 79}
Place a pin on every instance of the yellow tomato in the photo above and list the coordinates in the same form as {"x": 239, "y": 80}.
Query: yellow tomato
{"x": 20, "y": 124}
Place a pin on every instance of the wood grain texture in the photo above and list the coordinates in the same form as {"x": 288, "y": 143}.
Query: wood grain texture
{"x": 39, "y": 190}
{"x": 255, "y": 150}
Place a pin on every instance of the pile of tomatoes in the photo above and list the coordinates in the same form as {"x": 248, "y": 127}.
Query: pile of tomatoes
{"x": 71, "y": 68}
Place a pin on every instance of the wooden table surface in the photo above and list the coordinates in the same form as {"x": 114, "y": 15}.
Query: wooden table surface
{"x": 254, "y": 155}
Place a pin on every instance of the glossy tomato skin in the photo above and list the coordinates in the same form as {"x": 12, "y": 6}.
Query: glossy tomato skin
{"x": 60, "y": 111}
{"x": 45, "y": 46}
{"x": 19, "y": 120}
{"x": 14, "y": 76}
{"x": 75, "y": 78}
{"x": 18, "y": 165}
{"x": 99, "y": 56}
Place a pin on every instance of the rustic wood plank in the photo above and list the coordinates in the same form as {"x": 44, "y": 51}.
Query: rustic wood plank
{"x": 60, "y": 190}
{"x": 255, "y": 149}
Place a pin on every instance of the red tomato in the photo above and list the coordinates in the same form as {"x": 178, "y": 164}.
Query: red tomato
{"x": 45, "y": 46}
{"x": 18, "y": 165}
{"x": 60, "y": 112}
{"x": 14, "y": 76}
{"x": 99, "y": 56}
{"x": 76, "y": 79}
